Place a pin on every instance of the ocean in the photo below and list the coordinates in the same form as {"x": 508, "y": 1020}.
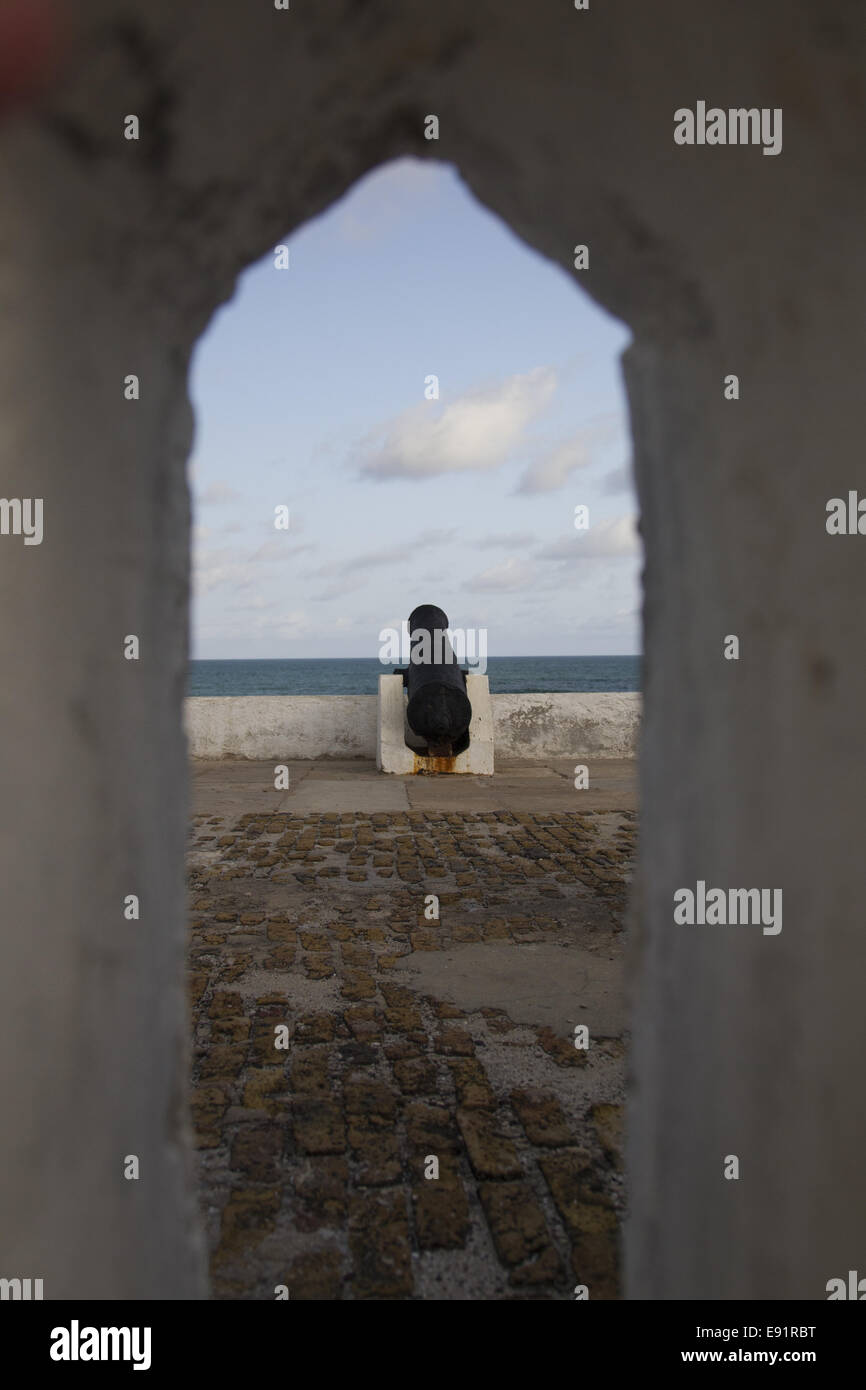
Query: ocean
{"x": 508, "y": 675}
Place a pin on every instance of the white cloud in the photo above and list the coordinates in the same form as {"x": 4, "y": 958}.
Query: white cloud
{"x": 360, "y": 564}
{"x": 508, "y": 540}
{"x": 504, "y": 578}
{"x": 253, "y": 605}
{"x": 349, "y": 574}
{"x": 476, "y": 432}
{"x": 242, "y": 625}
{"x": 602, "y": 540}
{"x": 339, "y": 589}
{"x": 440, "y": 535}
{"x": 236, "y": 566}
{"x": 296, "y": 623}
{"x": 212, "y": 568}
{"x": 553, "y": 469}
{"x": 280, "y": 546}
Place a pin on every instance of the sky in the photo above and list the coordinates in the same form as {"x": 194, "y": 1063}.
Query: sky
{"x": 312, "y": 393}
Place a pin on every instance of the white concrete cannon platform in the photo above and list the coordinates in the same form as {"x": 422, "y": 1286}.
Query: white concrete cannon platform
{"x": 394, "y": 750}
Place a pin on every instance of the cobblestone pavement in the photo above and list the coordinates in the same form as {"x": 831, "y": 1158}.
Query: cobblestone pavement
{"x": 313, "y": 1155}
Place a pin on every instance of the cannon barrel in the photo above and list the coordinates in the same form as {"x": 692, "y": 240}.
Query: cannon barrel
{"x": 438, "y": 708}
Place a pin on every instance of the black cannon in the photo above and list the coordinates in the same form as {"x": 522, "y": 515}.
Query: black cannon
{"x": 438, "y": 708}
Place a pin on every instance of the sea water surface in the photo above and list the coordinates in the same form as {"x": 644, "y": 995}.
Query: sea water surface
{"x": 508, "y": 675}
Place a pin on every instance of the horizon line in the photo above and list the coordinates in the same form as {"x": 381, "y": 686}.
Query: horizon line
{"x": 503, "y": 656}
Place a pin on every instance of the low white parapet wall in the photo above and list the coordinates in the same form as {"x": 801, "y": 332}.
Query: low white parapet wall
{"x": 597, "y": 725}
{"x": 344, "y": 726}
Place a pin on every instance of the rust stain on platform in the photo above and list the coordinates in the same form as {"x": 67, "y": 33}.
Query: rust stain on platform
{"x": 423, "y": 764}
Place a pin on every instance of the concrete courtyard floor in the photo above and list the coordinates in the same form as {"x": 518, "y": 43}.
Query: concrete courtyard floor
{"x": 345, "y": 1038}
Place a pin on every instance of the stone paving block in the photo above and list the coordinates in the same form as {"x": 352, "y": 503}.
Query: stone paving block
{"x": 518, "y": 1228}
{"x": 357, "y": 984}
{"x": 609, "y": 1121}
{"x": 495, "y": 931}
{"x": 196, "y": 985}
{"x": 595, "y": 1262}
{"x": 441, "y": 1211}
{"x": 225, "y": 1004}
{"x": 204, "y": 1139}
{"x": 424, "y": 939}
{"x": 356, "y": 957}
{"x": 443, "y": 1008}
{"x": 376, "y": 1151}
{"x": 578, "y": 1193}
{"x": 542, "y": 1118}
{"x": 562, "y": 1050}
{"x": 498, "y": 1021}
{"x": 319, "y": 1126}
{"x": 222, "y": 1061}
{"x": 314, "y": 1028}
{"x": 309, "y": 1074}
{"x": 316, "y": 1275}
{"x": 430, "y": 1129}
{"x": 416, "y": 1075}
{"x": 371, "y": 1099}
{"x": 208, "y": 1104}
{"x": 263, "y": 1050}
{"x": 544, "y": 1268}
{"x": 282, "y": 931}
{"x": 266, "y": 1089}
{"x": 321, "y": 1189}
{"x": 246, "y": 1218}
{"x": 379, "y": 1245}
{"x": 454, "y": 1042}
{"x": 397, "y": 996}
{"x": 365, "y": 1022}
{"x": 255, "y": 1152}
{"x": 237, "y": 967}
{"x": 474, "y": 1091}
{"x": 403, "y": 1018}
{"x": 318, "y": 967}
{"x": 314, "y": 942}
{"x": 465, "y": 931}
{"x": 401, "y": 1048}
{"x": 491, "y": 1153}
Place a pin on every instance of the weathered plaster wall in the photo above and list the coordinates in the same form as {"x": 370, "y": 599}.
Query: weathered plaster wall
{"x": 112, "y": 258}
{"x": 282, "y": 726}
{"x": 565, "y": 726}
{"x": 344, "y": 726}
